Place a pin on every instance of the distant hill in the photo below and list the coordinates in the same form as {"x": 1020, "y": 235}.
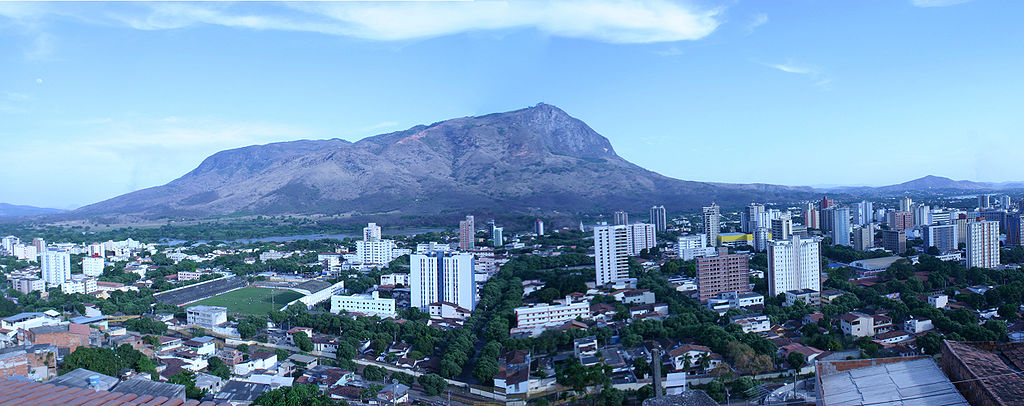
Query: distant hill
{"x": 529, "y": 161}
{"x": 14, "y": 210}
{"x": 928, "y": 183}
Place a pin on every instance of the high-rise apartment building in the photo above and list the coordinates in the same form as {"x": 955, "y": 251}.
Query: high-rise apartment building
{"x": 782, "y": 227}
{"x": 895, "y": 241}
{"x": 371, "y": 232}
{"x": 840, "y": 229}
{"x": 442, "y": 277}
{"x": 538, "y": 227}
{"x": 467, "y": 234}
{"x": 641, "y": 236}
{"x": 723, "y": 273}
{"x": 983, "y": 244}
{"x": 1014, "y": 230}
{"x": 942, "y": 237}
{"x": 901, "y": 220}
{"x": 55, "y": 267}
{"x": 751, "y": 218}
{"x": 961, "y": 229}
{"x": 658, "y": 218}
{"x": 611, "y": 253}
{"x": 864, "y": 237}
{"x": 1004, "y": 202}
{"x": 906, "y": 203}
{"x": 828, "y": 218}
{"x": 762, "y": 236}
{"x": 826, "y": 202}
{"x": 811, "y": 217}
{"x": 794, "y": 264}
{"x": 621, "y": 218}
{"x": 863, "y": 213}
{"x": 922, "y": 215}
{"x": 984, "y": 201}
{"x": 497, "y": 237}
{"x": 711, "y": 224}
{"x": 92, "y": 266}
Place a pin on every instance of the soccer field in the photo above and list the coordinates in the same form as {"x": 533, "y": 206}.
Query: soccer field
{"x": 252, "y": 300}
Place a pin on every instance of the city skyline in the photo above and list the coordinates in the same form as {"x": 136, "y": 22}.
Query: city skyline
{"x": 138, "y": 94}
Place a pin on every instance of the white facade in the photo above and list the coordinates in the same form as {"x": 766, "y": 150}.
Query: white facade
{"x": 690, "y": 254}
{"x": 938, "y": 301}
{"x": 983, "y": 244}
{"x": 641, "y": 237}
{"x": 395, "y": 279}
{"x": 375, "y": 252}
{"x": 206, "y": 316}
{"x": 442, "y": 277}
{"x": 691, "y": 241}
{"x": 28, "y": 285}
{"x": 79, "y": 284}
{"x": 96, "y": 249}
{"x": 753, "y": 323}
{"x": 371, "y": 232}
{"x": 794, "y": 264}
{"x": 611, "y": 253}
{"x": 550, "y": 315}
{"x": 915, "y": 326}
{"x": 92, "y": 266}
{"x": 371, "y": 304}
{"x": 432, "y": 247}
{"x": 711, "y": 224}
{"x": 55, "y": 267}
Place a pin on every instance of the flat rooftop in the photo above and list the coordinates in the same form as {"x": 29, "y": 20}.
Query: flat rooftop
{"x": 910, "y": 381}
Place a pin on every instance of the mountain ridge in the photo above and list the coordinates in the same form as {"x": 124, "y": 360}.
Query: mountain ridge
{"x": 536, "y": 159}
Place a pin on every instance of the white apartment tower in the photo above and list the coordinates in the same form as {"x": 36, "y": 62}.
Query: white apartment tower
{"x": 983, "y": 244}
{"x": 611, "y": 253}
{"x": 711, "y": 225}
{"x": 92, "y": 266}
{"x": 442, "y": 277}
{"x": 658, "y": 218}
{"x": 641, "y": 236}
{"x": 794, "y": 264}
{"x": 55, "y": 267}
{"x": 371, "y": 232}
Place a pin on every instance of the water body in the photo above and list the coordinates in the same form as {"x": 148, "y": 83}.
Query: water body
{"x": 288, "y": 238}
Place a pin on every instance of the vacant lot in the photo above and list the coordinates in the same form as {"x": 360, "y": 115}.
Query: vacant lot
{"x": 252, "y": 300}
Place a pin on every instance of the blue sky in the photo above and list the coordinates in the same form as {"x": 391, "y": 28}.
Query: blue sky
{"x": 99, "y": 99}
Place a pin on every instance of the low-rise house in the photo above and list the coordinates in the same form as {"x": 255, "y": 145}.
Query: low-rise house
{"x": 918, "y": 325}
{"x": 689, "y": 357}
{"x": 257, "y": 360}
{"x": 586, "y": 346}
{"x": 893, "y": 337}
{"x": 857, "y": 324}
{"x": 634, "y": 296}
{"x": 25, "y": 321}
{"x": 810, "y": 353}
{"x": 752, "y": 323}
{"x": 205, "y": 345}
{"x": 808, "y": 296}
{"x": 35, "y": 362}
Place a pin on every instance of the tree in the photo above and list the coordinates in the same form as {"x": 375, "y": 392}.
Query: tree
{"x": 485, "y": 369}
{"x": 243, "y": 348}
{"x": 218, "y": 368}
{"x": 145, "y": 325}
{"x": 251, "y": 326}
{"x": 433, "y": 384}
{"x": 188, "y": 378}
{"x": 372, "y": 373}
{"x": 302, "y": 341}
{"x": 304, "y": 395}
{"x": 796, "y": 360}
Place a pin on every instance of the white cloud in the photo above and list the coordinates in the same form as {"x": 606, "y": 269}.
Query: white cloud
{"x": 937, "y": 3}
{"x": 792, "y": 68}
{"x": 671, "y": 51}
{"x": 613, "y": 21}
{"x": 818, "y": 78}
{"x": 758, "y": 20}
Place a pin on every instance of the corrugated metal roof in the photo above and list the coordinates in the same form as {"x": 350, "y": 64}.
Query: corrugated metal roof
{"x": 917, "y": 382}
{"x": 18, "y": 392}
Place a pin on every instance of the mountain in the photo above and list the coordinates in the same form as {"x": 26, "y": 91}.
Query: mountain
{"x": 928, "y": 183}
{"x": 528, "y": 161}
{"x": 14, "y": 210}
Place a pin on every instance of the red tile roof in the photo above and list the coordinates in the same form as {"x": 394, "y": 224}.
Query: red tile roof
{"x": 19, "y": 392}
